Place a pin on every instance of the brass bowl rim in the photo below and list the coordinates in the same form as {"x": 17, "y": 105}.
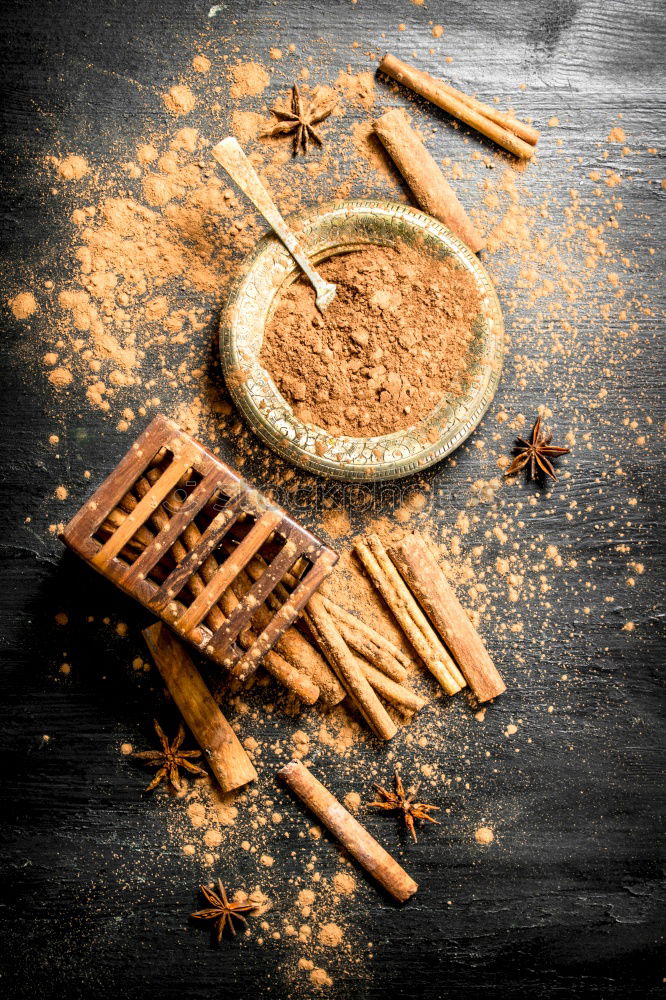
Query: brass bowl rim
{"x": 287, "y": 437}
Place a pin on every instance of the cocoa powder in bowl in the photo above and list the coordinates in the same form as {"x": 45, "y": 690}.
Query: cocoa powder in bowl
{"x": 393, "y": 342}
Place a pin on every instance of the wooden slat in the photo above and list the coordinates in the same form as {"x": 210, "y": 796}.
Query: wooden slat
{"x": 87, "y": 520}
{"x": 287, "y": 613}
{"x": 197, "y": 555}
{"x": 144, "y": 508}
{"x": 256, "y": 596}
{"x": 229, "y": 570}
{"x": 171, "y": 532}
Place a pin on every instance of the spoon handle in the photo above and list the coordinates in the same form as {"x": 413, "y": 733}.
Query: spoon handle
{"x": 229, "y": 155}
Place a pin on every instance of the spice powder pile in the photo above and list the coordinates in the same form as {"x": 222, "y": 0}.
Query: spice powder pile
{"x": 395, "y": 340}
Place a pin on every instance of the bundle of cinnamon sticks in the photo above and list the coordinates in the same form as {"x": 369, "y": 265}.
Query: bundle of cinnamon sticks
{"x": 424, "y": 604}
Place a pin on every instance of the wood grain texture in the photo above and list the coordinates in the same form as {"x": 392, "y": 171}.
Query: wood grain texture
{"x": 569, "y": 900}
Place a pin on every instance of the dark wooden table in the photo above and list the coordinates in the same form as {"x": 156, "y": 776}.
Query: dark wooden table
{"x": 568, "y": 900}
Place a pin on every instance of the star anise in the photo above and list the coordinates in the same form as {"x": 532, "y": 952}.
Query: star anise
{"x": 537, "y": 452}
{"x": 403, "y": 803}
{"x": 169, "y": 759}
{"x": 303, "y": 115}
{"x": 221, "y": 910}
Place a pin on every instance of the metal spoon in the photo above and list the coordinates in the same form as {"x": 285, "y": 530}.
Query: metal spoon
{"x": 229, "y": 154}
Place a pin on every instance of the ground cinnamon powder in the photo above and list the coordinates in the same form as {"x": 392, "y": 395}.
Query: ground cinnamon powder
{"x": 393, "y": 342}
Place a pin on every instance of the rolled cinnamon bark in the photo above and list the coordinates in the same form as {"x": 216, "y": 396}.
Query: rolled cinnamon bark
{"x": 220, "y": 746}
{"x": 296, "y": 649}
{"x": 408, "y": 614}
{"x": 426, "y": 181}
{"x": 391, "y": 65}
{"x": 433, "y": 90}
{"x": 380, "y": 659}
{"x": 354, "y": 837}
{"x": 427, "y": 582}
{"x": 340, "y": 614}
{"x": 395, "y": 694}
{"x": 350, "y": 674}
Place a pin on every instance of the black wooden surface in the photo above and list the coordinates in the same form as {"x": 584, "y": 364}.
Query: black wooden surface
{"x": 569, "y": 900}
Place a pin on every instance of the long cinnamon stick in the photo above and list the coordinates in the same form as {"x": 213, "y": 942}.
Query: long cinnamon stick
{"x": 354, "y": 837}
{"x": 296, "y": 649}
{"x": 396, "y": 694}
{"x": 409, "y": 615}
{"x": 427, "y": 582}
{"x": 427, "y": 86}
{"x": 380, "y": 659}
{"x": 340, "y": 614}
{"x": 221, "y": 747}
{"x": 349, "y": 673}
{"x": 427, "y": 182}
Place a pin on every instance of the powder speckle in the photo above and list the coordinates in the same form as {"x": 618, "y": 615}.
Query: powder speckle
{"x": 60, "y": 377}
{"x": 617, "y": 134}
{"x": 201, "y": 64}
{"x": 179, "y": 100}
{"x": 484, "y": 835}
{"x": 250, "y": 79}
{"x": 330, "y": 935}
{"x": 344, "y": 883}
{"x": 23, "y": 305}
{"x": 72, "y": 168}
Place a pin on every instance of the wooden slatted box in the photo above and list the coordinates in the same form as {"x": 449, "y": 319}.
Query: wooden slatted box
{"x": 173, "y": 526}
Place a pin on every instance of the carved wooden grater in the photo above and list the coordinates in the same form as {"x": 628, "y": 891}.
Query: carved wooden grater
{"x": 156, "y": 525}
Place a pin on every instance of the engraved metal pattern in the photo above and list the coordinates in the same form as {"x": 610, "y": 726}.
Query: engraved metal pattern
{"x": 338, "y": 228}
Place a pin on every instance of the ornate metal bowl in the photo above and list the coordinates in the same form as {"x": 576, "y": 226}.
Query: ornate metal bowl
{"x": 336, "y": 228}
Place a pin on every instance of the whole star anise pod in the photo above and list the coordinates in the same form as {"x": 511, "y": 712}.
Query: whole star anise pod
{"x": 403, "y": 803}
{"x": 169, "y": 759}
{"x": 537, "y": 452}
{"x": 221, "y": 910}
{"x": 303, "y": 115}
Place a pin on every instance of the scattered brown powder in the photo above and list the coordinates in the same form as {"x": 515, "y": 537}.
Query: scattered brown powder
{"x": 319, "y": 977}
{"x": 23, "y": 305}
{"x": 336, "y": 523}
{"x": 344, "y": 883}
{"x": 249, "y": 79}
{"x": 394, "y": 341}
{"x": 60, "y": 377}
{"x": 179, "y": 100}
{"x": 71, "y": 168}
{"x": 330, "y": 935}
{"x": 201, "y": 64}
{"x": 359, "y": 88}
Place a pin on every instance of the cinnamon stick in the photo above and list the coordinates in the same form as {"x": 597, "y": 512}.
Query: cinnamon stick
{"x": 428, "y": 583}
{"x": 427, "y": 183}
{"x": 396, "y": 694}
{"x": 440, "y": 94}
{"x": 354, "y": 837}
{"x": 349, "y": 673}
{"x": 408, "y": 614}
{"x": 296, "y": 649}
{"x": 220, "y": 746}
{"x": 340, "y": 614}
{"x": 381, "y": 660}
